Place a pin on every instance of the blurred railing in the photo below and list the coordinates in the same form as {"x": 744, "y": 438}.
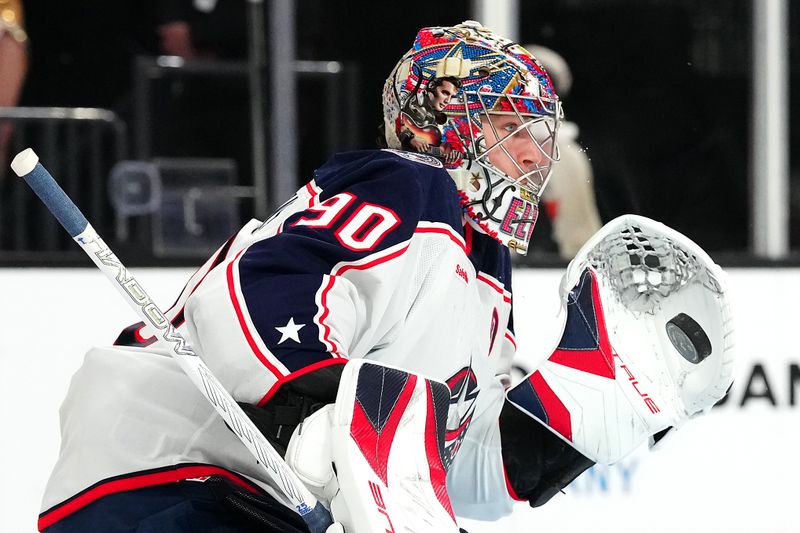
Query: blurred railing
{"x": 338, "y": 108}
{"x": 79, "y": 146}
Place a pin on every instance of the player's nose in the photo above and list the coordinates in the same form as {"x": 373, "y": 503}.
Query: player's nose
{"x": 527, "y": 153}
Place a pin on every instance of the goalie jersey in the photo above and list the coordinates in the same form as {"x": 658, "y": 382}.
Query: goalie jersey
{"x": 371, "y": 259}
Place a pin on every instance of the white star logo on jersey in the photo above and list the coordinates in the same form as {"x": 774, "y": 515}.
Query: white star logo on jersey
{"x": 290, "y": 331}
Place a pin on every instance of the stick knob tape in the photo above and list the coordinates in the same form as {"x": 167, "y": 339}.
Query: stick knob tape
{"x": 26, "y": 165}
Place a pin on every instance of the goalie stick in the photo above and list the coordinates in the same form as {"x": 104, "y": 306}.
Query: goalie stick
{"x": 26, "y": 165}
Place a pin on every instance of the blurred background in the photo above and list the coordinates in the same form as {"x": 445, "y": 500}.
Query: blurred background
{"x": 221, "y": 109}
{"x": 171, "y": 122}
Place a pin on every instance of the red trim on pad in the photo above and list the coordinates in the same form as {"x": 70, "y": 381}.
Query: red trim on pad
{"x": 558, "y": 416}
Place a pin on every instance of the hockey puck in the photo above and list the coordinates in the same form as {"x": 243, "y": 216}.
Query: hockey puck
{"x": 688, "y": 338}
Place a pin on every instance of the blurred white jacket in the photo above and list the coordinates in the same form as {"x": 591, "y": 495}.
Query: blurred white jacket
{"x": 569, "y": 197}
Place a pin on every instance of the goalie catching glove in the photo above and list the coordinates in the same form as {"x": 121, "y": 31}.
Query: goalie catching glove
{"x": 375, "y": 456}
{"x": 647, "y": 344}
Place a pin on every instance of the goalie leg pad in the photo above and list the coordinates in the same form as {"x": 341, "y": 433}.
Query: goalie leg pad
{"x": 389, "y": 429}
{"x": 386, "y": 438}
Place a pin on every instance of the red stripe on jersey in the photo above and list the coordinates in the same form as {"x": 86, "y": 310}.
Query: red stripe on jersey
{"x": 296, "y": 374}
{"x": 449, "y": 232}
{"x": 455, "y": 237}
{"x": 134, "y": 481}
{"x": 452, "y": 434}
{"x": 494, "y": 284}
{"x": 557, "y": 414}
{"x": 438, "y": 474}
{"x": 242, "y": 323}
{"x": 511, "y": 340}
{"x": 370, "y": 264}
{"x": 326, "y": 329}
{"x": 312, "y": 192}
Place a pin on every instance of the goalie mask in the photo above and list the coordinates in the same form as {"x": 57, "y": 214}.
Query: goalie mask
{"x": 486, "y": 108}
{"x": 647, "y": 342}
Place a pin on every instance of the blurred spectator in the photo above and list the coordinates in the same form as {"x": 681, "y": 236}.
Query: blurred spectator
{"x": 13, "y": 65}
{"x": 195, "y": 29}
{"x": 202, "y": 115}
{"x": 568, "y": 200}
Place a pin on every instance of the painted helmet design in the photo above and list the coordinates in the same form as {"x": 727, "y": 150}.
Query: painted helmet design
{"x": 647, "y": 342}
{"x": 448, "y": 97}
